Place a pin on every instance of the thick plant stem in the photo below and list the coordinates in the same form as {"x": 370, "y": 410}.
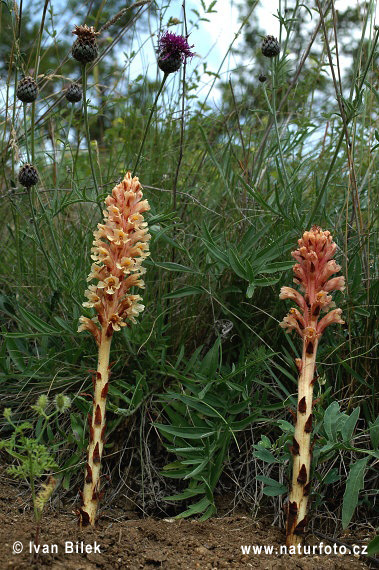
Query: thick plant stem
{"x": 301, "y": 450}
{"x": 313, "y": 272}
{"x": 91, "y": 491}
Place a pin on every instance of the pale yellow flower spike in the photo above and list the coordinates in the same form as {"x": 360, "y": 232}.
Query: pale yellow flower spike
{"x": 120, "y": 245}
{"x": 313, "y": 272}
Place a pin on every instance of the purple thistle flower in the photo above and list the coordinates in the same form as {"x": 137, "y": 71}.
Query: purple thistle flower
{"x": 173, "y": 50}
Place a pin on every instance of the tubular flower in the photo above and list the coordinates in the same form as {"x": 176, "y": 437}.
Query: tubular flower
{"x": 120, "y": 246}
{"x": 313, "y": 274}
{"x": 173, "y": 50}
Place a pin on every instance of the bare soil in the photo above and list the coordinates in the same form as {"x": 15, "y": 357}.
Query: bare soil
{"x": 148, "y": 543}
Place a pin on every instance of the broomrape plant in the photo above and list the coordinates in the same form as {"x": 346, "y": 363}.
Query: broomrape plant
{"x": 313, "y": 274}
{"x": 119, "y": 248}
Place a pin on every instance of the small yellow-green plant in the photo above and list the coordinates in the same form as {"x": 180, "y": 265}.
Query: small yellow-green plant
{"x": 32, "y": 459}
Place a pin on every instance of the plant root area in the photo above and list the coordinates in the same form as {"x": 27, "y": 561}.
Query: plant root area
{"x": 147, "y": 543}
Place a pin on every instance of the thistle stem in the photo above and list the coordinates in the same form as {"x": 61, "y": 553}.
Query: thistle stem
{"x": 65, "y": 144}
{"x": 272, "y": 109}
{"x": 26, "y": 134}
{"x": 148, "y": 123}
{"x": 91, "y": 491}
{"x": 32, "y": 130}
{"x": 298, "y": 499}
{"x": 84, "y": 84}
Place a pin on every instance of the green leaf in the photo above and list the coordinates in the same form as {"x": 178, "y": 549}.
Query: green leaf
{"x": 250, "y": 290}
{"x": 349, "y": 425}
{"x": 332, "y": 477}
{"x": 373, "y": 546}
{"x": 264, "y": 454}
{"x": 354, "y": 484}
{"x": 185, "y": 432}
{"x": 276, "y": 491}
{"x": 36, "y": 323}
{"x": 171, "y": 266}
{"x": 15, "y": 353}
{"x": 210, "y": 361}
{"x": 195, "y": 509}
{"x": 236, "y": 264}
{"x": 184, "y": 292}
{"x": 331, "y": 417}
{"x": 187, "y": 494}
{"x": 277, "y": 266}
{"x": 374, "y": 433}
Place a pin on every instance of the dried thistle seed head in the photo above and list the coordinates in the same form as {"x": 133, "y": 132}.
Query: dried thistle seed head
{"x": 262, "y": 78}
{"x": 74, "y": 93}
{"x": 27, "y": 90}
{"x": 119, "y": 248}
{"x": 173, "y": 50}
{"x": 313, "y": 274}
{"x": 28, "y": 175}
{"x": 270, "y": 46}
{"x": 85, "y": 47}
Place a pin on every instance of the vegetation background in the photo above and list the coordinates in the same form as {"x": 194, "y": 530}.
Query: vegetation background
{"x": 201, "y": 389}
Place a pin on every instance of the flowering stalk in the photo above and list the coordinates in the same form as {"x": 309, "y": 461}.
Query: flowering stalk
{"x": 173, "y": 50}
{"x": 313, "y": 273}
{"x": 119, "y": 248}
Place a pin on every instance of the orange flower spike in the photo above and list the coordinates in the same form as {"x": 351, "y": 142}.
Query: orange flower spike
{"x": 120, "y": 246}
{"x": 313, "y": 274}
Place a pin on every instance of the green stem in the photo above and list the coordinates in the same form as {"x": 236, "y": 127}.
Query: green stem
{"x": 84, "y": 84}
{"x": 65, "y": 144}
{"x": 26, "y": 134}
{"x": 38, "y": 234}
{"x": 148, "y": 123}
{"x": 32, "y": 488}
{"x": 272, "y": 109}
{"x": 32, "y": 130}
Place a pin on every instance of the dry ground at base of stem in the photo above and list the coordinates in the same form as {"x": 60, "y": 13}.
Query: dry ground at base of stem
{"x": 149, "y": 543}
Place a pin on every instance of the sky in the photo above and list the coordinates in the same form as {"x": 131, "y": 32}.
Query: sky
{"x": 212, "y": 39}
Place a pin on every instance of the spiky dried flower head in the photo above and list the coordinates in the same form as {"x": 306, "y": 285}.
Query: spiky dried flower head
{"x": 173, "y": 50}
{"x": 270, "y": 47}
{"x": 120, "y": 246}
{"x": 27, "y": 89}
{"x": 74, "y": 93}
{"x": 28, "y": 175}
{"x": 313, "y": 274}
{"x": 85, "y": 47}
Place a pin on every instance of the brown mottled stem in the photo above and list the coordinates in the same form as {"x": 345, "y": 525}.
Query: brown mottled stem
{"x": 301, "y": 448}
{"x": 91, "y": 491}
